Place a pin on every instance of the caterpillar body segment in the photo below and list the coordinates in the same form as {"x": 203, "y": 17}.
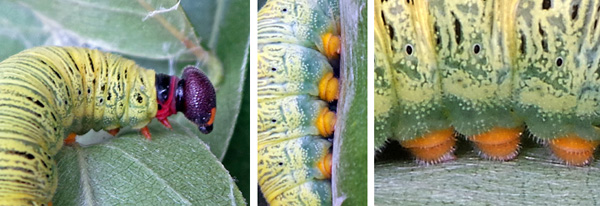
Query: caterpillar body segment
{"x": 294, "y": 165}
{"x": 288, "y": 118}
{"x": 384, "y": 95}
{"x": 298, "y": 70}
{"x": 48, "y": 93}
{"x": 475, "y": 76}
{"x": 483, "y": 67}
{"x": 407, "y": 81}
{"x": 287, "y": 69}
{"x": 316, "y": 192}
{"x": 299, "y": 22}
{"x": 559, "y": 55}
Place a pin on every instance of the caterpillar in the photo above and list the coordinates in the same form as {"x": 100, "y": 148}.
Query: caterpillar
{"x": 488, "y": 70}
{"x": 49, "y": 92}
{"x": 298, "y": 50}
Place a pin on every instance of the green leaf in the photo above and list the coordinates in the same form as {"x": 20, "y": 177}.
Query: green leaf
{"x": 534, "y": 178}
{"x": 174, "y": 168}
{"x": 19, "y": 29}
{"x": 116, "y": 26}
{"x": 119, "y": 26}
{"x": 350, "y": 141}
{"x": 237, "y": 160}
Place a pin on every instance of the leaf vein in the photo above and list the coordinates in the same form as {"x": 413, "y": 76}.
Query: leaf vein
{"x": 154, "y": 174}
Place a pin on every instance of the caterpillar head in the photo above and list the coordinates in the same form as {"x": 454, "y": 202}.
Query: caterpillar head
{"x": 193, "y": 95}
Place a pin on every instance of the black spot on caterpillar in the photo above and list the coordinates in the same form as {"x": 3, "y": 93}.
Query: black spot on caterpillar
{"x": 41, "y": 101}
{"x": 488, "y": 70}
{"x": 297, "y": 40}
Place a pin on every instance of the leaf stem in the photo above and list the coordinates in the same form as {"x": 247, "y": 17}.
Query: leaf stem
{"x": 192, "y": 46}
{"x": 86, "y": 187}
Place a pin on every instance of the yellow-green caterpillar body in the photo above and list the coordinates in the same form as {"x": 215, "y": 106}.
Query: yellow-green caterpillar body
{"x": 474, "y": 65}
{"x": 47, "y": 93}
{"x": 291, "y": 65}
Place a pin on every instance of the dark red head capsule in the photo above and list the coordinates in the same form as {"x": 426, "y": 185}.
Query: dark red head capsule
{"x": 193, "y": 95}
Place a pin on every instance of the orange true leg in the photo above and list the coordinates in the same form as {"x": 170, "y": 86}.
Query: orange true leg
{"x": 434, "y": 147}
{"x": 326, "y": 122}
{"x": 70, "y": 139}
{"x": 324, "y": 165}
{"x": 574, "y": 150}
{"x": 498, "y": 143}
{"x": 146, "y": 133}
{"x": 165, "y": 122}
{"x": 113, "y": 132}
{"x": 329, "y": 87}
{"x": 332, "y": 45}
